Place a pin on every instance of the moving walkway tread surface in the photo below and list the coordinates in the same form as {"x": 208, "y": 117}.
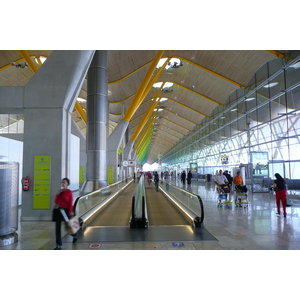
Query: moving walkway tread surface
{"x": 118, "y": 211}
{"x": 160, "y": 209}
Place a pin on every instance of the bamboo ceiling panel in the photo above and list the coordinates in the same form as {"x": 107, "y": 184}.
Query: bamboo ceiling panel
{"x": 198, "y": 88}
{"x": 124, "y": 62}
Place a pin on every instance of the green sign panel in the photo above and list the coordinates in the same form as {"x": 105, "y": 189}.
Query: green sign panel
{"x": 81, "y": 175}
{"x": 41, "y": 182}
{"x": 110, "y": 174}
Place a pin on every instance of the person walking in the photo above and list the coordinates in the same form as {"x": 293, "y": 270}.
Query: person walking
{"x": 280, "y": 189}
{"x": 156, "y": 180}
{"x": 189, "y": 177}
{"x": 183, "y": 177}
{"x": 64, "y": 199}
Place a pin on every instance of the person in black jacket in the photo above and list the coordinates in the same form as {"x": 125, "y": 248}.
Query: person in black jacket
{"x": 183, "y": 177}
{"x": 189, "y": 177}
{"x": 156, "y": 180}
{"x": 229, "y": 178}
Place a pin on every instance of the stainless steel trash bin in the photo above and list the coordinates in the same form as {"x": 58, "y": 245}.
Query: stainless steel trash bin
{"x": 9, "y": 185}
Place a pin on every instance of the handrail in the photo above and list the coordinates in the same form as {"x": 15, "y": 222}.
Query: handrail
{"x": 190, "y": 203}
{"x": 139, "y": 217}
{"x": 87, "y": 205}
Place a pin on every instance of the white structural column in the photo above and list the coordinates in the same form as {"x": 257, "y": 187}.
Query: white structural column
{"x": 48, "y": 102}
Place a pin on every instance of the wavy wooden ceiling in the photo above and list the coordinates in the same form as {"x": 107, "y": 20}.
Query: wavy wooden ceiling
{"x": 203, "y": 82}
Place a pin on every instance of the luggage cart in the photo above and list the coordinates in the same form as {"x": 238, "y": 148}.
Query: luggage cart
{"x": 223, "y": 197}
{"x": 241, "y": 197}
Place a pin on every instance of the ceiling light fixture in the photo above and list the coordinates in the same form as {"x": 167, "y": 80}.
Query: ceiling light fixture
{"x": 249, "y": 99}
{"x": 173, "y": 63}
{"x": 271, "y": 84}
{"x": 20, "y": 65}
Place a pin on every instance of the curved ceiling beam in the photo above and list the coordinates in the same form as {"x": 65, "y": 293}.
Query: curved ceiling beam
{"x": 178, "y": 125}
{"x": 276, "y": 53}
{"x": 212, "y": 72}
{"x": 189, "y": 61}
{"x": 179, "y": 117}
{"x": 212, "y": 100}
{"x": 196, "y": 111}
{"x": 175, "y": 131}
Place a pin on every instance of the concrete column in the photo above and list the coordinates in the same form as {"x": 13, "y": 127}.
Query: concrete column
{"x": 48, "y": 102}
{"x": 113, "y": 144}
{"x": 97, "y": 123}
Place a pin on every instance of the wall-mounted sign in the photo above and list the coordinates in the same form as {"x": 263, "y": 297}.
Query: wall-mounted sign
{"x": 193, "y": 167}
{"x": 41, "y": 182}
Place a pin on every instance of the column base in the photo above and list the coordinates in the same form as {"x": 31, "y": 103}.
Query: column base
{"x": 8, "y": 239}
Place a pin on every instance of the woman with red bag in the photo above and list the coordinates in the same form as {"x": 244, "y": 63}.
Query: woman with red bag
{"x": 64, "y": 199}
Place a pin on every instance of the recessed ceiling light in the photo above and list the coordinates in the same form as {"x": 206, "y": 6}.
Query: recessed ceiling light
{"x": 81, "y": 100}
{"x": 157, "y": 85}
{"x": 234, "y": 109}
{"x": 163, "y": 99}
{"x": 296, "y": 65}
{"x": 249, "y": 99}
{"x": 271, "y": 84}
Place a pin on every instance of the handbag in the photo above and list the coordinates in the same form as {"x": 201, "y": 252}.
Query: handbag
{"x": 289, "y": 202}
{"x": 73, "y": 225}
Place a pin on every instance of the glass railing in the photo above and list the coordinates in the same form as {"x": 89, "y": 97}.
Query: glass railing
{"x": 87, "y": 204}
{"x": 190, "y": 203}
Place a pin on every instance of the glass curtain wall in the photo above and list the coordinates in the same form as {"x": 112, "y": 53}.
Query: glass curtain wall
{"x": 264, "y": 117}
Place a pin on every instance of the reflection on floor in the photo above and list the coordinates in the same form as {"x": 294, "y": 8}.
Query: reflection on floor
{"x": 236, "y": 228}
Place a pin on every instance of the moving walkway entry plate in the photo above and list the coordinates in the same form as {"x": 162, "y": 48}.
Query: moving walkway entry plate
{"x": 183, "y": 233}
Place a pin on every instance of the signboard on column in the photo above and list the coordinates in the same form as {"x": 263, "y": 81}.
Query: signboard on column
{"x": 131, "y": 163}
{"x": 110, "y": 174}
{"x": 193, "y": 167}
{"x": 41, "y": 182}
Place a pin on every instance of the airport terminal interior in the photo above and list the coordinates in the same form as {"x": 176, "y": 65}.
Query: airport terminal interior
{"x": 110, "y": 119}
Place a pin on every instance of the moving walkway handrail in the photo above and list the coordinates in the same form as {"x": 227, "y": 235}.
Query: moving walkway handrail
{"x": 190, "y": 203}
{"x": 87, "y": 205}
{"x": 139, "y": 216}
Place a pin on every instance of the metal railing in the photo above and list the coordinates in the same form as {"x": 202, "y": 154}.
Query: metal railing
{"x": 190, "y": 203}
{"x": 87, "y": 205}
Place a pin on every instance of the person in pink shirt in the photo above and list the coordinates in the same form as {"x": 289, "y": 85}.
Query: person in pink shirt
{"x": 64, "y": 199}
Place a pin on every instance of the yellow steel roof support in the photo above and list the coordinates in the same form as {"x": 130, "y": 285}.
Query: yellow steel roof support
{"x": 276, "y": 53}
{"x": 80, "y": 111}
{"x": 31, "y": 64}
{"x": 138, "y": 96}
{"x": 148, "y": 127}
{"x": 147, "y": 114}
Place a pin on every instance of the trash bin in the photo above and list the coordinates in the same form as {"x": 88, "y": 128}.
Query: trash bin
{"x": 208, "y": 176}
{"x": 9, "y": 183}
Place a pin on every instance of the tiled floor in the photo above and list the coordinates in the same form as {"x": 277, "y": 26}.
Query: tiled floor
{"x": 235, "y": 228}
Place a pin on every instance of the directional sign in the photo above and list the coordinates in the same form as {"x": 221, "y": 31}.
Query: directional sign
{"x": 178, "y": 244}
